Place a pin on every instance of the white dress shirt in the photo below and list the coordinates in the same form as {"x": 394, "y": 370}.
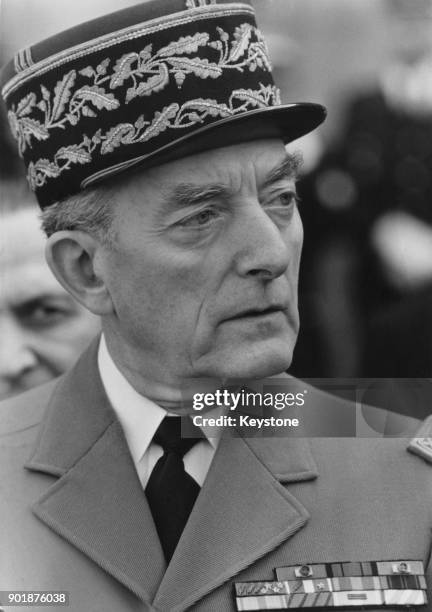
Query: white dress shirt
{"x": 140, "y": 417}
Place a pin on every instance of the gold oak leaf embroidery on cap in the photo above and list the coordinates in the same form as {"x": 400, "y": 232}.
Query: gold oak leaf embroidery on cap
{"x": 143, "y": 74}
{"x": 174, "y": 116}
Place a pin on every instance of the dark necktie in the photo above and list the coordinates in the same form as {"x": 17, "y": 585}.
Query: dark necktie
{"x": 171, "y": 491}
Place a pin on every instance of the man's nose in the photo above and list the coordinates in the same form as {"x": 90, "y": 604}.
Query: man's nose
{"x": 16, "y": 356}
{"x": 263, "y": 249}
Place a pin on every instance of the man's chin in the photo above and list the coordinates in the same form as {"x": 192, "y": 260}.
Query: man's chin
{"x": 263, "y": 369}
{"x": 254, "y": 362}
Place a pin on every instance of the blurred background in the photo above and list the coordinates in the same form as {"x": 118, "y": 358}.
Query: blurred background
{"x": 366, "y": 184}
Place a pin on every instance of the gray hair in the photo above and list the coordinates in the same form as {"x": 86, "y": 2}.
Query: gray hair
{"x": 91, "y": 211}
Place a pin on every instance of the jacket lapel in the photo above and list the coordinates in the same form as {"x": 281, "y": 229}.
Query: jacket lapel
{"x": 241, "y": 514}
{"x": 97, "y": 504}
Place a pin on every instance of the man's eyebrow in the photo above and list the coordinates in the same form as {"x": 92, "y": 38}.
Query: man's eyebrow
{"x": 288, "y": 168}
{"x": 188, "y": 194}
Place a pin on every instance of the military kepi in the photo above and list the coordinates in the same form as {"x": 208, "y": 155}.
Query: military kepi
{"x": 145, "y": 85}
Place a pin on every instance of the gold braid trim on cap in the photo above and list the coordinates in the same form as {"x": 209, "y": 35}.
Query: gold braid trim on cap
{"x": 120, "y": 36}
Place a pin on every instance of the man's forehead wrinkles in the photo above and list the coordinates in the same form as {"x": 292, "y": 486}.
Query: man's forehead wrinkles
{"x": 224, "y": 178}
{"x": 287, "y": 168}
{"x": 185, "y": 194}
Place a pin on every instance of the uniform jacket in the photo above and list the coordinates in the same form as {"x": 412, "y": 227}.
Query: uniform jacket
{"x": 74, "y": 516}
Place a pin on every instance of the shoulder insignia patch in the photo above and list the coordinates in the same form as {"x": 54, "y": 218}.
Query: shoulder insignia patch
{"x": 421, "y": 444}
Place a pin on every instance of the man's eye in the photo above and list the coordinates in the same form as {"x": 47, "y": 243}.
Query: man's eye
{"x": 286, "y": 199}
{"x": 46, "y": 312}
{"x": 43, "y": 316}
{"x": 200, "y": 219}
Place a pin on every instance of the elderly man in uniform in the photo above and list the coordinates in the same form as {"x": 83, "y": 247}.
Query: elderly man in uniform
{"x": 154, "y": 141}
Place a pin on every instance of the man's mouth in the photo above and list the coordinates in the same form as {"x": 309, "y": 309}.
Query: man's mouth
{"x": 256, "y": 313}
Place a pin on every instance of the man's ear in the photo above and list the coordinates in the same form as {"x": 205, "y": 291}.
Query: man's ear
{"x": 75, "y": 260}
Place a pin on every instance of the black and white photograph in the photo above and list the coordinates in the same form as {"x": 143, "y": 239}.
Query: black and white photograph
{"x": 216, "y": 305}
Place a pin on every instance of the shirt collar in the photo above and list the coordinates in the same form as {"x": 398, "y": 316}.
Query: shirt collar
{"x": 138, "y": 415}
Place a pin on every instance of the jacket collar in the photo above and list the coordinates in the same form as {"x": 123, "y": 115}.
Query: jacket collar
{"x": 77, "y": 415}
{"x": 98, "y": 492}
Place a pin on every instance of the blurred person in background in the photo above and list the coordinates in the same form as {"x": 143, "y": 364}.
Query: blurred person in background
{"x": 370, "y": 222}
{"x": 400, "y": 339}
{"x": 42, "y": 328}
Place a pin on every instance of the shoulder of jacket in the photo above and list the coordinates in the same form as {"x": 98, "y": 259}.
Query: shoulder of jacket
{"x": 421, "y": 444}
{"x": 25, "y": 410}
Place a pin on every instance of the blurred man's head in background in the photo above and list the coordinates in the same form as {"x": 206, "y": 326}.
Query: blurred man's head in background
{"x": 42, "y": 328}
{"x": 409, "y": 29}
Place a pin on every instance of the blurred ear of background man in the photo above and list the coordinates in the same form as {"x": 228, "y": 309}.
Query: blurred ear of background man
{"x": 42, "y": 328}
